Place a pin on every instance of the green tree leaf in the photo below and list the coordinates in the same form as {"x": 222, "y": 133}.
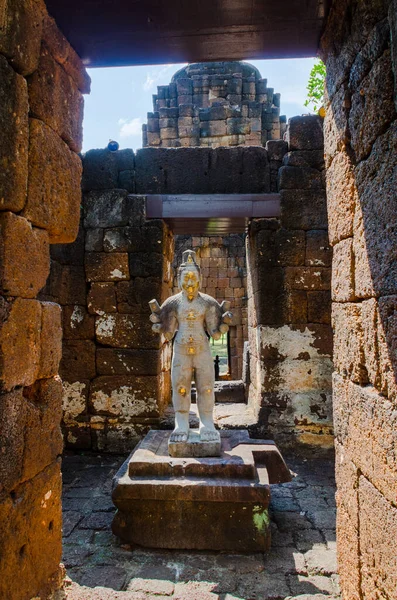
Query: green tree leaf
{"x": 315, "y": 86}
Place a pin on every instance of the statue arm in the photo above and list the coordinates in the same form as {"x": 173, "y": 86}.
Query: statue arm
{"x": 217, "y": 318}
{"x": 164, "y": 317}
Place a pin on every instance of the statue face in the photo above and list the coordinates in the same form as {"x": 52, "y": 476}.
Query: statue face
{"x": 190, "y": 282}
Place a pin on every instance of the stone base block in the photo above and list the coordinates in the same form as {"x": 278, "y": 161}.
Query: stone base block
{"x": 217, "y": 503}
{"x": 194, "y": 447}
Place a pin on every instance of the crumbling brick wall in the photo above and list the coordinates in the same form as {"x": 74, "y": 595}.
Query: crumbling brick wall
{"x": 289, "y": 277}
{"x": 41, "y": 86}
{"x": 359, "y": 48}
{"x": 224, "y": 276}
{"x": 214, "y": 104}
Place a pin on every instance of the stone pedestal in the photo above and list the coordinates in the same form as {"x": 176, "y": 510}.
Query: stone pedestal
{"x": 217, "y": 503}
{"x": 194, "y": 447}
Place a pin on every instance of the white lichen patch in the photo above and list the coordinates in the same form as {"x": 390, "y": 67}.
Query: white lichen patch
{"x": 44, "y": 501}
{"x": 125, "y": 400}
{"x": 105, "y": 325}
{"x": 76, "y": 317}
{"x": 73, "y": 399}
{"x": 117, "y": 274}
{"x": 289, "y": 343}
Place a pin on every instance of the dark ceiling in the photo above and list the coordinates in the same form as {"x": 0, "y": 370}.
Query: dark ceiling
{"x": 136, "y": 32}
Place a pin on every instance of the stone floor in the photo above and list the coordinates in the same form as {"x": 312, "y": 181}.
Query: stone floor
{"x": 301, "y": 564}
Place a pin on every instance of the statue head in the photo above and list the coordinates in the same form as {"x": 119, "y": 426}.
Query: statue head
{"x": 189, "y": 278}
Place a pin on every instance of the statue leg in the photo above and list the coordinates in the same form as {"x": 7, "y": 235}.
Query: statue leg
{"x": 205, "y": 381}
{"x": 181, "y": 377}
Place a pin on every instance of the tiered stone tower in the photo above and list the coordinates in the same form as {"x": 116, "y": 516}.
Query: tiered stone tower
{"x": 214, "y": 104}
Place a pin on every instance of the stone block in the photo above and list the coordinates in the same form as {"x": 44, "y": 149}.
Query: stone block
{"x": 78, "y": 324}
{"x": 125, "y": 396}
{"x": 304, "y": 159}
{"x": 295, "y": 178}
{"x": 70, "y": 254}
{"x": 55, "y": 100}
{"x": 341, "y": 197}
{"x": 12, "y": 427}
{"x": 349, "y": 356}
{"x": 372, "y": 107}
{"x": 303, "y": 209}
{"x": 167, "y": 123}
{"x": 319, "y": 307}
{"x": 100, "y": 170}
{"x": 22, "y": 25}
{"x": 126, "y": 180}
{"x": 64, "y": 54}
{"x": 30, "y": 521}
{"x": 378, "y": 532}
{"x": 93, "y": 240}
{"x": 341, "y": 408}
{"x": 43, "y": 437}
{"x": 376, "y": 219}
{"x": 14, "y": 142}
{"x": 22, "y": 273}
{"x": 74, "y": 400}
{"x": 348, "y": 550}
{"x": 295, "y": 307}
{"x": 53, "y": 200}
{"x": 375, "y": 46}
{"x": 50, "y": 339}
{"x": 238, "y": 126}
{"x": 169, "y": 133}
{"x": 134, "y": 296}
{"x": 305, "y": 133}
{"x": 78, "y": 360}
{"x": 276, "y": 149}
{"x": 19, "y": 342}
{"x": 374, "y": 344}
{"x": 102, "y": 298}
{"x": 114, "y": 361}
{"x": 100, "y": 266}
{"x": 318, "y": 251}
{"x": 239, "y": 170}
{"x": 386, "y": 345}
{"x": 67, "y": 284}
{"x": 125, "y": 331}
{"x": 336, "y": 128}
{"x": 343, "y": 272}
{"x": 212, "y": 128}
{"x": 290, "y": 247}
{"x": 347, "y": 475}
{"x": 107, "y": 208}
{"x": 307, "y": 278}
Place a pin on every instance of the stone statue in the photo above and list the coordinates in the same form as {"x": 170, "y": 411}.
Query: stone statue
{"x": 192, "y": 315}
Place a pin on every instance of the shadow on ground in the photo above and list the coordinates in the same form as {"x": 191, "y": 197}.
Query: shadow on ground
{"x": 301, "y": 563}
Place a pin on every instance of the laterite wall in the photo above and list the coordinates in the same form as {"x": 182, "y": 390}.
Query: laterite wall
{"x": 360, "y": 51}
{"x": 41, "y": 107}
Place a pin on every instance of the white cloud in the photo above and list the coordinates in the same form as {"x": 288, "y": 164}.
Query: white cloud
{"x": 154, "y": 76}
{"x": 130, "y": 128}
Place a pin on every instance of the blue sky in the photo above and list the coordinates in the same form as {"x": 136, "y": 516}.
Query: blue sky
{"x": 121, "y": 97}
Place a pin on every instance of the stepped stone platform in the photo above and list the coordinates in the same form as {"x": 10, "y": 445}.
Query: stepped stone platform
{"x": 217, "y": 503}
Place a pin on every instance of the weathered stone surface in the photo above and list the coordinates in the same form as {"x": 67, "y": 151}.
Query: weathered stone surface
{"x": 386, "y": 345}
{"x": 298, "y": 178}
{"x": 105, "y": 209}
{"x": 343, "y": 272}
{"x": 319, "y": 307}
{"x": 64, "y": 54}
{"x": 78, "y": 360}
{"x": 303, "y": 209}
{"x": 376, "y": 219}
{"x": 115, "y": 361}
{"x": 74, "y": 400}
{"x": 304, "y": 158}
{"x": 15, "y": 138}
{"x": 55, "y": 100}
{"x": 22, "y": 273}
{"x": 125, "y": 331}
{"x": 341, "y": 198}
{"x": 20, "y": 342}
{"x": 53, "y": 200}
{"x": 50, "y": 339}
{"x": 70, "y": 254}
{"x": 378, "y": 532}
{"x": 43, "y": 438}
{"x": 372, "y": 107}
{"x": 307, "y": 278}
{"x": 78, "y": 324}
{"x": 347, "y": 476}
{"x": 126, "y": 396}
{"x": 31, "y": 521}
{"x": 102, "y": 298}
{"x": 94, "y": 240}
{"x": 348, "y": 550}
{"x": 336, "y": 130}
{"x": 318, "y": 251}
{"x": 22, "y": 24}
{"x": 305, "y": 133}
{"x": 276, "y": 149}
{"x": 12, "y": 427}
{"x": 290, "y": 247}
{"x": 348, "y": 342}
{"x": 67, "y": 284}
{"x": 103, "y": 169}
{"x": 100, "y": 266}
